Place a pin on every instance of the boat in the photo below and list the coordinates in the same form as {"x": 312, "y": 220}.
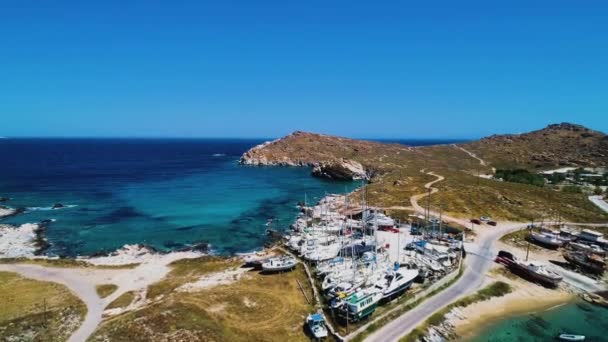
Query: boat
{"x": 547, "y": 239}
{"x": 571, "y": 337}
{"x": 537, "y": 272}
{"x": 396, "y": 282}
{"x": 594, "y": 249}
{"x": 360, "y": 304}
{"x": 316, "y": 325}
{"x": 284, "y": 263}
{"x": 589, "y": 262}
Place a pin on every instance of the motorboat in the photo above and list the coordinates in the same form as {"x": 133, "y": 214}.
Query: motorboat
{"x": 594, "y": 249}
{"x": 284, "y": 263}
{"x": 360, "y": 304}
{"x": 537, "y": 272}
{"x": 396, "y": 282}
{"x": 587, "y": 261}
{"x": 316, "y": 325}
{"x": 570, "y": 337}
{"x": 547, "y": 239}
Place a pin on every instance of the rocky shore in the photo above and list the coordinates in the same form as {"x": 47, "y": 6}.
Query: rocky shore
{"x": 274, "y": 153}
{"x": 26, "y": 240}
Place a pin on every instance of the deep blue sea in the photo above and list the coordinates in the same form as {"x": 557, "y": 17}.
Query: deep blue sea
{"x": 167, "y": 193}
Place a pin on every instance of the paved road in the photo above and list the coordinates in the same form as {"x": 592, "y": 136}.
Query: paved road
{"x": 82, "y": 288}
{"x": 597, "y": 200}
{"x": 479, "y": 260}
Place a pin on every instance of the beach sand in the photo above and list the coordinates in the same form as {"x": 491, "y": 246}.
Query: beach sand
{"x": 525, "y": 298}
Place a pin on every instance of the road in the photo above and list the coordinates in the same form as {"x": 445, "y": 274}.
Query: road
{"x": 84, "y": 289}
{"x": 478, "y": 262}
{"x": 597, "y": 200}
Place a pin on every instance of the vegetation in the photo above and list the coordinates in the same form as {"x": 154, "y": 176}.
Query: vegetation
{"x": 105, "y": 290}
{"x": 520, "y": 176}
{"x": 497, "y": 289}
{"x": 188, "y": 270}
{"x": 397, "y": 171}
{"x": 256, "y": 308}
{"x": 122, "y": 301}
{"x": 37, "y": 310}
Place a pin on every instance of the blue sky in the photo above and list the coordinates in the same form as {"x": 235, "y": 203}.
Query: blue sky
{"x": 452, "y": 69}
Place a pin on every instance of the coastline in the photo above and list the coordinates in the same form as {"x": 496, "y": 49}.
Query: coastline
{"x": 526, "y": 298}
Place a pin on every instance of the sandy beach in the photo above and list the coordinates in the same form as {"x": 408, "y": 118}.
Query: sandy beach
{"x": 525, "y": 298}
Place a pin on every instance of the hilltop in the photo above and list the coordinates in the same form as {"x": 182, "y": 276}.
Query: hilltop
{"x": 556, "y": 145}
{"x": 397, "y": 172}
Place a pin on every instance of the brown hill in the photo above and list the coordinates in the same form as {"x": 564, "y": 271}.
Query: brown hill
{"x": 556, "y": 145}
{"x": 398, "y": 172}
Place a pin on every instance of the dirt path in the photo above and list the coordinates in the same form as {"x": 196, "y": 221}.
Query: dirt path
{"x": 418, "y": 208}
{"x": 82, "y": 282}
{"x": 473, "y": 155}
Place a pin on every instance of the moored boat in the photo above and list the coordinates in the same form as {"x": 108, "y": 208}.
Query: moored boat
{"x": 571, "y": 337}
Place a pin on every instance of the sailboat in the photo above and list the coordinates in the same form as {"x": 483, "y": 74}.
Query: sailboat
{"x": 284, "y": 263}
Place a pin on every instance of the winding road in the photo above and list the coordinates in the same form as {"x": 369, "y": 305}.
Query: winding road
{"x": 480, "y": 258}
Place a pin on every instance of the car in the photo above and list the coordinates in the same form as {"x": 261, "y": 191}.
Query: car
{"x": 485, "y": 219}
{"x": 475, "y": 221}
{"x": 505, "y": 255}
{"x": 492, "y": 223}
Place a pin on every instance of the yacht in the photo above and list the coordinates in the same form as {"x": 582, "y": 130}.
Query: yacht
{"x": 396, "y": 282}
{"x": 536, "y": 271}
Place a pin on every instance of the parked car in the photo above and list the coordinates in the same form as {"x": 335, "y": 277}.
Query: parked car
{"x": 492, "y": 223}
{"x": 485, "y": 219}
{"x": 475, "y": 221}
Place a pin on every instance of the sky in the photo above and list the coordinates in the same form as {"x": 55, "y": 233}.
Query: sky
{"x": 391, "y": 69}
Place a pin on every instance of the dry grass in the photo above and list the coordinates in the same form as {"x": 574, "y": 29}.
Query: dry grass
{"x": 105, "y": 290}
{"x": 462, "y": 193}
{"x": 256, "y": 308}
{"x": 36, "y": 310}
{"x": 122, "y": 301}
{"x": 188, "y": 270}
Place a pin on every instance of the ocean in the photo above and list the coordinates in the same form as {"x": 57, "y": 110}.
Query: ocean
{"x": 574, "y": 318}
{"x": 166, "y": 193}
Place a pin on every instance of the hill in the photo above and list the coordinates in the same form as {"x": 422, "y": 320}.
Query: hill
{"x": 397, "y": 172}
{"x": 556, "y": 145}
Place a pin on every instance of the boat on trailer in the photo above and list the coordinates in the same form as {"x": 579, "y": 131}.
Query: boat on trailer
{"x": 316, "y": 325}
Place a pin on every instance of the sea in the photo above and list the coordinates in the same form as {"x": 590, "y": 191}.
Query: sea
{"x": 165, "y": 193}
{"x": 579, "y": 318}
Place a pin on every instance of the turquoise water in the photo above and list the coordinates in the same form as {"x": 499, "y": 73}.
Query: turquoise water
{"x": 165, "y": 193}
{"x": 575, "y": 318}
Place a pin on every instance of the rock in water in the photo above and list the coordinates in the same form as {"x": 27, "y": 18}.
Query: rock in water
{"x": 342, "y": 169}
{"x": 58, "y": 206}
{"x": 4, "y": 199}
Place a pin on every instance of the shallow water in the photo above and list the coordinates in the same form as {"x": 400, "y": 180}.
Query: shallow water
{"x": 574, "y": 318}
